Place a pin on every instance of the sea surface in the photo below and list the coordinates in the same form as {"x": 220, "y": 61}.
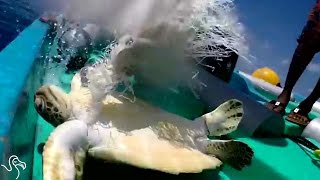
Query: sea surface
{"x": 15, "y": 16}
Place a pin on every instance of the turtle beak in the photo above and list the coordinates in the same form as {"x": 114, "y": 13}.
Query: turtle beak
{"x": 38, "y": 101}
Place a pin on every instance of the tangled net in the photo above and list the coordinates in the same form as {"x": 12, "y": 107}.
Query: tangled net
{"x": 219, "y": 26}
{"x": 191, "y": 29}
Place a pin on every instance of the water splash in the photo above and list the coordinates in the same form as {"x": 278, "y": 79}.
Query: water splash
{"x": 159, "y": 38}
{"x": 132, "y": 16}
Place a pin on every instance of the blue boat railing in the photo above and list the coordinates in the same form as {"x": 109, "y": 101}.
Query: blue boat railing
{"x": 16, "y": 62}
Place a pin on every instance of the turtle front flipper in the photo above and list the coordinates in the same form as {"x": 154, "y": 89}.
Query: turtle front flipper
{"x": 235, "y": 153}
{"x": 64, "y": 152}
{"x": 224, "y": 119}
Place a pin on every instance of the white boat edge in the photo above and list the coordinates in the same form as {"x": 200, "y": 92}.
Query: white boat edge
{"x": 275, "y": 90}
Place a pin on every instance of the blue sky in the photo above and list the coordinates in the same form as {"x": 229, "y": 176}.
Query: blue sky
{"x": 272, "y": 28}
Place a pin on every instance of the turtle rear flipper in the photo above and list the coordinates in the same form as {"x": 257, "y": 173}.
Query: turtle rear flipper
{"x": 235, "y": 153}
{"x": 225, "y": 118}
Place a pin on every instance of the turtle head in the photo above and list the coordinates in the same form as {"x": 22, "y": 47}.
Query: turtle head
{"x": 154, "y": 61}
{"x": 123, "y": 57}
{"x": 135, "y": 55}
{"x": 52, "y": 104}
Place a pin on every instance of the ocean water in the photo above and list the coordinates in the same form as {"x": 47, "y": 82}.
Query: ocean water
{"x": 15, "y": 15}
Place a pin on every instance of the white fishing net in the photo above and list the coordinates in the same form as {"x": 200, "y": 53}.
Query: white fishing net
{"x": 215, "y": 23}
{"x": 159, "y": 38}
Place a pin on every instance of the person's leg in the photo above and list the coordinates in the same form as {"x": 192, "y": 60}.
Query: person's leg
{"x": 300, "y": 60}
{"x": 299, "y": 115}
{"x": 306, "y": 105}
{"x": 308, "y": 46}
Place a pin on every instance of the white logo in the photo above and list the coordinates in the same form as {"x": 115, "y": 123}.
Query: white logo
{"x": 14, "y": 160}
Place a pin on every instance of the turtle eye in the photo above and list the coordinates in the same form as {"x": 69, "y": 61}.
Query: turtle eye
{"x": 129, "y": 41}
{"x": 128, "y": 70}
{"x": 40, "y": 106}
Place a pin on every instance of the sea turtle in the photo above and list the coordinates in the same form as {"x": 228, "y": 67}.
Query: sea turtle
{"x": 135, "y": 133}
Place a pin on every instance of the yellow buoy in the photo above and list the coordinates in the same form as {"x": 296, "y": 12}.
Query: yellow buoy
{"x": 267, "y": 75}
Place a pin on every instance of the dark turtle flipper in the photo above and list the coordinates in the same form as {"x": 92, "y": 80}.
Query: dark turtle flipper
{"x": 234, "y": 153}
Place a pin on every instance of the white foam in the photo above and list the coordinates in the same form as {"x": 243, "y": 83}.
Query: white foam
{"x": 133, "y": 16}
{"x": 166, "y": 34}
